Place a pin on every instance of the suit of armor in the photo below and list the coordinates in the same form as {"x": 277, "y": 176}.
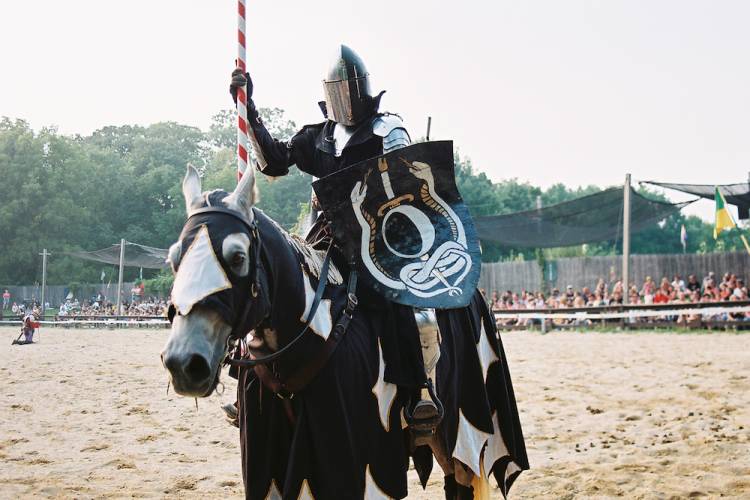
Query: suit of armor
{"x": 327, "y": 147}
{"x": 321, "y": 149}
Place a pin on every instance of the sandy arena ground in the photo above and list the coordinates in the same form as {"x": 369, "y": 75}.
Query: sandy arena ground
{"x": 640, "y": 415}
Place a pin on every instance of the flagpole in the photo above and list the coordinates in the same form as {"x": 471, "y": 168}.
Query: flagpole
{"x": 724, "y": 220}
{"x": 744, "y": 240}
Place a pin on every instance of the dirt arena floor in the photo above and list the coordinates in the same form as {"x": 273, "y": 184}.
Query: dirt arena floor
{"x": 85, "y": 414}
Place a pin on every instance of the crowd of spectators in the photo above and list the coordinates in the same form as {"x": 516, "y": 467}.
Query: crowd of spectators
{"x": 677, "y": 291}
{"x": 94, "y": 307}
{"x": 100, "y": 306}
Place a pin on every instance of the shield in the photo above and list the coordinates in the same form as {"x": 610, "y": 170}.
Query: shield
{"x": 401, "y": 219}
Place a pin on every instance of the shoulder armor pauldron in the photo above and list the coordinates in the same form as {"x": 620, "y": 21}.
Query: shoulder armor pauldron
{"x": 386, "y": 123}
{"x": 390, "y": 127}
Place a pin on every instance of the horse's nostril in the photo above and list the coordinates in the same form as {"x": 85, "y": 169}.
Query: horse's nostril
{"x": 197, "y": 368}
{"x": 171, "y": 363}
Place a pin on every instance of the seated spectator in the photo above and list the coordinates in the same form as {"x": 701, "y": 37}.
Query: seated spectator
{"x": 601, "y": 288}
{"x": 494, "y": 301}
{"x": 661, "y": 297}
{"x": 578, "y": 300}
{"x": 709, "y": 280}
{"x": 616, "y": 298}
{"x": 727, "y": 278}
{"x": 741, "y": 290}
{"x": 647, "y": 290}
{"x": 678, "y": 283}
{"x": 668, "y": 289}
{"x": 516, "y": 301}
{"x": 692, "y": 284}
{"x": 561, "y": 303}
{"x": 735, "y": 316}
{"x": 711, "y": 293}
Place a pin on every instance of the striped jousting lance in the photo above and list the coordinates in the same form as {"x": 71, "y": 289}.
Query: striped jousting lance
{"x": 242, "y": 137}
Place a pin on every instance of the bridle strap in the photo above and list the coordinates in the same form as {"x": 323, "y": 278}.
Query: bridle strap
{"x": 313, "y": 309}
{"x": 255, "y": 248}
{"x": 251, "y": 224}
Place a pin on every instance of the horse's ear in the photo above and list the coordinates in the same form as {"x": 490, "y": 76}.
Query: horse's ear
{"x": 245, "y": 195}
{"x": 191, "y": 188}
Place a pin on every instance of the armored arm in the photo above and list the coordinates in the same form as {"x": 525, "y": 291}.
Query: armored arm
{"x": 273, "y": 157}
{"x": 392, "y": 130}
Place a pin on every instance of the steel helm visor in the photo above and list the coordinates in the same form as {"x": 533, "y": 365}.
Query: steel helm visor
{"x": 347, "y": 88}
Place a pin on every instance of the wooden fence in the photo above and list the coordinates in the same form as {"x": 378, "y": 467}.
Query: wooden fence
{"x": 515, "y": 276}
{"x": 586, "y": 271}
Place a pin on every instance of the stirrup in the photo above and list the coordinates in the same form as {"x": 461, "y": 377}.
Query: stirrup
{"x": 231, "y": 414}
{"x": 424, "y": 417}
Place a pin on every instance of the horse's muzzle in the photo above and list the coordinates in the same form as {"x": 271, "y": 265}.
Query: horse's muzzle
{"x": 191, "y": 374}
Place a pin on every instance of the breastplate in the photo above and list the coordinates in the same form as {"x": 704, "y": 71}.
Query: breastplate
{"x": 341, "y": 136}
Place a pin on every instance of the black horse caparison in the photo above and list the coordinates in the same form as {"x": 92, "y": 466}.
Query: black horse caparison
{"x": 342, "y": 434}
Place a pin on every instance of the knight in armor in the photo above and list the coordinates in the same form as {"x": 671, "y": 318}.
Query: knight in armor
{"x": 354, "y": 130}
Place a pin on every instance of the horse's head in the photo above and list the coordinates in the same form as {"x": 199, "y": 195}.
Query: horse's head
{"x": 217, "y": 287}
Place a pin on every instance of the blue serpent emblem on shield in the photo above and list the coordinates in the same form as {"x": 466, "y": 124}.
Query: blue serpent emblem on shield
{"x": 401, "y": 219}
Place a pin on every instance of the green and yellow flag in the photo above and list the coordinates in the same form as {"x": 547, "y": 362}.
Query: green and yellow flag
{"x": 724, "y": 219}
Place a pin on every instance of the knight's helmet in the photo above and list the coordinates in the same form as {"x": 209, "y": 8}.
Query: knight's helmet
{"x": 347, "y": 89}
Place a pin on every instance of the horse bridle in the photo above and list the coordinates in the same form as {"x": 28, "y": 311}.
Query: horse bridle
{"x": 240, "y": 329}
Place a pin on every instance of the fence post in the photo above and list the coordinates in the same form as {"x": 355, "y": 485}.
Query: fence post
{"x": 626, "y": 241}
{"x": 119, "y": 278}
{"x": 44, "y": 278}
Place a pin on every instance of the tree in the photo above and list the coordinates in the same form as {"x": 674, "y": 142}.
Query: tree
{"x": 280, "y": 198}
{"x": 86, "y": 192}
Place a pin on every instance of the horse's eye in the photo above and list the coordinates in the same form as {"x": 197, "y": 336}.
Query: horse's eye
{"x": 173, "y": 256}
{"x": 238, "y": 259}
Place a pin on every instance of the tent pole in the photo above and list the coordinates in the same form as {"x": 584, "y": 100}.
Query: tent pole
{"x": 626, "y": 241}
{"x": 119, "y": 278}
{"x": 44, "y": 255}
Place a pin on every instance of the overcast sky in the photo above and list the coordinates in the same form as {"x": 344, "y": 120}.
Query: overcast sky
{"x": 545, "y": 91}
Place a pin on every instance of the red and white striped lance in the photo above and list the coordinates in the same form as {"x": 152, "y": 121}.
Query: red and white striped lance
{"x": 242, "y": 138}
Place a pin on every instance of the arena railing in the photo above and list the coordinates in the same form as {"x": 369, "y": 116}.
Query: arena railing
{"x": 95, "y": 321}
{"x": 694, "y": 315}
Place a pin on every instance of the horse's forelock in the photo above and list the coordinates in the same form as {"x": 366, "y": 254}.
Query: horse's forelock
{"x": 214, "y": 198}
